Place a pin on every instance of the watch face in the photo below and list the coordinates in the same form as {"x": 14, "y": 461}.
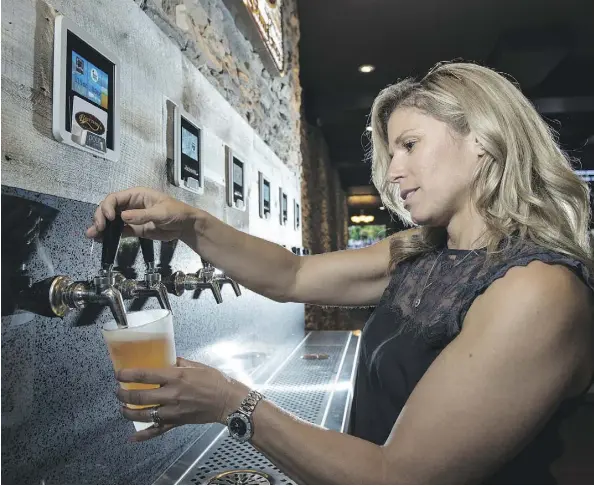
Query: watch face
{"x": 238, "y": 426}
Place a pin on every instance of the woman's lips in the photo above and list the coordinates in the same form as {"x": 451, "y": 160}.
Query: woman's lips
{"x": 408, "y": 194}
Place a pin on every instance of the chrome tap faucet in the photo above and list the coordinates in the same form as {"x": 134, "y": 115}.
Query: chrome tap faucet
{"x": 151, "y": 286}
{"x": 205, "y": 278}
{"x": 65, "y": 294}
{"x": 223, "y": 279}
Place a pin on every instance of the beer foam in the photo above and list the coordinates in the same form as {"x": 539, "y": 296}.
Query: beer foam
{"x": 147, "y": 319}
{"x": 125, "y": 335}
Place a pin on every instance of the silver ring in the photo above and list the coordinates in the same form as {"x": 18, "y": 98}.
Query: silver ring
{"x": 157, "y": 421}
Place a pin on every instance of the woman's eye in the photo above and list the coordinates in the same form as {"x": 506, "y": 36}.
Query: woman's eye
{"x": 409, "y": 145}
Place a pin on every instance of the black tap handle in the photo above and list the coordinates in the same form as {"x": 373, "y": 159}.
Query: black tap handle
{"x": 148, "y": 250}
{"x": 111, "y": 240}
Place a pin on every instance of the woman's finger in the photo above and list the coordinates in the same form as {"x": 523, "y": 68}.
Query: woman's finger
{"x": 99, "y": 219}
{"x": 151, "y": 433}
{"x": 157, "y": 376}
{"x": 167, "y": 414}
{"x": 136, "y": 216}
{"x": 138, "y": 230}
{"x": 144, "y": 397}
{"x": 186, "y": 363}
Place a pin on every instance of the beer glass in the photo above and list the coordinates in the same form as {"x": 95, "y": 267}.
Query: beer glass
{"x": 147, "y": 342}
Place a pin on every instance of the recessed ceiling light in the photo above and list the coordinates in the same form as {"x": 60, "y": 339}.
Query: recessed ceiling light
{"x": 369, "y": 129}
{"x": 366, "y": 68}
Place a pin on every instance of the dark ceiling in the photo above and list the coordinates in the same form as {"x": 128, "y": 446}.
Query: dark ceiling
{"x": 547, "y": 45}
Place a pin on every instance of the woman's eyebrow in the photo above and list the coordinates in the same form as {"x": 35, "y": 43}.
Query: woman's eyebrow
{"x": 399, "y": 138}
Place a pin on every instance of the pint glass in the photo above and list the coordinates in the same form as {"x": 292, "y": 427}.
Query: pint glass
{"x": 147, "y": 342}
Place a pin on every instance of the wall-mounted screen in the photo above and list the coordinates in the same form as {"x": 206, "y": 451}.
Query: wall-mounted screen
{"x": 89, "y": 81}
{"x": 264, "y": 191}
{"x": 235, "y": 170}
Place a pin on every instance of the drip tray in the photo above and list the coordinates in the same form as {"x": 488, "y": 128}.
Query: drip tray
{"x": 242, "y": 476}
{"x": 314, "y": 383}
{"x": 226, "y": 457}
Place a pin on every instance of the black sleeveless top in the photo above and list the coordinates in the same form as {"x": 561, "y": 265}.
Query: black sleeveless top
{"x": 396, "y": 350}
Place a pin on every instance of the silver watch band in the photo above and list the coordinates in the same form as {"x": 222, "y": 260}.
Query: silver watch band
{"x": 249, "y": 403}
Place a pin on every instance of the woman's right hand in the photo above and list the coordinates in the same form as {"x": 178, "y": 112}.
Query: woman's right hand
{"x": 147, "y": 213}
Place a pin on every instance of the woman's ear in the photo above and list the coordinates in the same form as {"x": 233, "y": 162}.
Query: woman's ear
{"x": 478, "y": 147}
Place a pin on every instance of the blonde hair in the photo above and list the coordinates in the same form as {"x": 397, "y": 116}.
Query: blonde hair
{"x": 524, "y": 184}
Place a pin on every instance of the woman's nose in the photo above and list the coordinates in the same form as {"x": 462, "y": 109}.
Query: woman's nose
{"x": 395, "y": 170}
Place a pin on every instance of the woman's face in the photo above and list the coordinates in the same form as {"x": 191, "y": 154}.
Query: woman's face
{"x": 431, "y": 165}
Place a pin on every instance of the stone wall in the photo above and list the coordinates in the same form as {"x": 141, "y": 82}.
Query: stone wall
{"x": 205, "y": 31}
{"x": 325, "y": 224}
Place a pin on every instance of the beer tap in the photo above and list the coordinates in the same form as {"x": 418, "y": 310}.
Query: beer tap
{"x": 179, "y": 282}
{"x": 205, "y": 278}
{"x": 151, "y": 286}
{"x": 65, "y": 294}
{"x": 223, "y": 279}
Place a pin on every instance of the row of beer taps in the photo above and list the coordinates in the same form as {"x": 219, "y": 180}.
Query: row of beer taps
{"x": 110, "y": 288}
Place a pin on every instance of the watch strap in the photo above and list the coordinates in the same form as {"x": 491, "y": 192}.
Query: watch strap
{"x": 248, "y": 405}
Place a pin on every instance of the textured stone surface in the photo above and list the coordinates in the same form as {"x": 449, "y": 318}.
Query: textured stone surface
{"x": 60, "y": 417}
{"x": 325, "y": 224}
{"x": 153, "y": 71}
{"x": 205, "y": 31}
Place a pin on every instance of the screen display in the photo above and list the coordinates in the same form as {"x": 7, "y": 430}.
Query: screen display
{"x": 285, "y": 203}
{"x": 189, "y": 144}
{"x": 190, "y": 153}
{"x": 266, "y": 192}
{"x": 237, "y": 172}
{"x": 89, "y": 81}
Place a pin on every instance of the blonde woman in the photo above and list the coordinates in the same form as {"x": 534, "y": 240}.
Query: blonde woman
{"x": 482, "y": 338}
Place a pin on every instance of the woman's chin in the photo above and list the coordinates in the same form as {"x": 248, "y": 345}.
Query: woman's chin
{"x": 417, "y": 219}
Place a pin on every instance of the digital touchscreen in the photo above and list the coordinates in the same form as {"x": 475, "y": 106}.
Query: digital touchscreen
{"x": 189, "y": 144}
{"x": 237, "y": 172}
{"x": 266, "y": 193}
{"x": 90, "y": 94}
{"x": 190, "y": 154}
{"x": 89, "y": 81}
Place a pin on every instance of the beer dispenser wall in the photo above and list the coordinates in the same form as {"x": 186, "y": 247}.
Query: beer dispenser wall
{"x": 86, "y": 92}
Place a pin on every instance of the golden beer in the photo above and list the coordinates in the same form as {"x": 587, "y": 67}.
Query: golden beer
{"x": 146, "y": 343}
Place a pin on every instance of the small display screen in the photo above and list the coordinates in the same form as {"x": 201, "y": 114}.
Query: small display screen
{"x": 189, "y": 144}
{"x": 190, "y": 152}
{"x": 237, "y": 172}
{"x": 266, "y": 191}
{"x": 284, "y": 204}
{"x": 89, "y": 81}
{"x": 297, "y": 214}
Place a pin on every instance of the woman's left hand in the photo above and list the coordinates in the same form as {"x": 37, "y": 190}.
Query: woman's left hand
{"x": 191, "y": 393}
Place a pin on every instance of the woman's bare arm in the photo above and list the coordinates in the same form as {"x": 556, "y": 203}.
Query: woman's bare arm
{"x": 341, "y": 278}
{"x": 350, "y": 278}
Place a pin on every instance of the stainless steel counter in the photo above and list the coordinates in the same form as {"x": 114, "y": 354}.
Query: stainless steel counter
{"x": 314, "y": 382}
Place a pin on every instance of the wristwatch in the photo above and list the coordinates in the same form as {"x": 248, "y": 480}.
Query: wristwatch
{"x": 239, "y": 423}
